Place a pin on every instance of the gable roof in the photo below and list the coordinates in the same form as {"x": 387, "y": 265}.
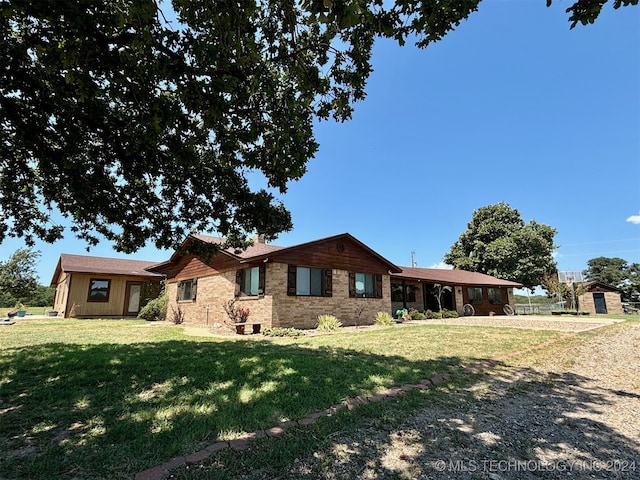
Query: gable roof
{"x": 279, "y": 251}
{"x": 255, "y": 250}
{"x": 453, "y": 277}
{"x": 263, "y": 251}
{"x": 595, "y": 285}
{"x": 102, "y": 266}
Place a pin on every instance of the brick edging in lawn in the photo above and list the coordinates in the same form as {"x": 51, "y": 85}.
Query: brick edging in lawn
{"x": 161, "y": 472}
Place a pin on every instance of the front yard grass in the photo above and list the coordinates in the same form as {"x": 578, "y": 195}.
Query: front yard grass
{"x": 109, "y": 398}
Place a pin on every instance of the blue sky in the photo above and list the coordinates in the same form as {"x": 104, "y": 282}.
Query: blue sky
{"x": 511, "y": 107}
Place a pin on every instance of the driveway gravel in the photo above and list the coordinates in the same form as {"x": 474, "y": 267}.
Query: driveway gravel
{"x": 574, "y": 413}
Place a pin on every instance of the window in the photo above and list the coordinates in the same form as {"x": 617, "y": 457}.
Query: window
{"x": 251, "y": 280}
{"x": 495, "y": 296}
{"x": 396, "y": 292}
{"x": 98, "y": 290}
{"x": 475, "y": 295}
{"x": 187, "y": 290}
{"x": 365, "y": 285}
{"x": 309, "y": 282}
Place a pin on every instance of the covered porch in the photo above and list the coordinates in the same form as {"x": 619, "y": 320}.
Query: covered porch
{"x": 438, "y": 289}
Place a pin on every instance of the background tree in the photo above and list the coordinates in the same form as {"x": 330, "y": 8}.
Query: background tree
{"x": 618, "y": 273}
{"x": 137, "y": 127}
{"x": 497, "y": 242}
{"x": 18, "y": 274}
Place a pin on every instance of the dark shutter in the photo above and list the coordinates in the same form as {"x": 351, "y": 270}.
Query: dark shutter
{"x": 378, "y": 286}
{"x": 194, "y": 289}
{"x": 261, "y": 278}
{"x": 291, "y": 280}
{"x": 238, "y": 283}
{"x": 327, "y": 289}
{"x": 352, "y": 285}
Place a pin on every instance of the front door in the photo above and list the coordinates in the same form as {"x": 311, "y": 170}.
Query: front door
{"x": 132, "y": 298}
{"x": 600, "y": 303}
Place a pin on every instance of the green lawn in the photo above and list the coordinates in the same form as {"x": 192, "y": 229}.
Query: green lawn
{"x": 109, "y": 398}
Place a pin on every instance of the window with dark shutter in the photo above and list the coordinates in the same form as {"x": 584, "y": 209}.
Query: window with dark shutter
{"x": 365, "y": 285}
{"x": 291, "y": 280}
{"x": 328, "y": 283}
{"x": 378, "y": 286}
{"x": 352, "y": 285}
{"x": 187, "y": 290}
{"x": 251, "y": 280}
{"x": 262, "y": 276}
{"x": 309, "y": 282}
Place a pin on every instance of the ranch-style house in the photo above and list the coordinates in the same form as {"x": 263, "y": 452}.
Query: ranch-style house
{"x": 291, "y": 286}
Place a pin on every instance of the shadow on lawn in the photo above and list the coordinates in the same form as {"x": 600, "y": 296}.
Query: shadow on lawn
{"x": 108, "y": 411}
{"x": 523, "y": 425}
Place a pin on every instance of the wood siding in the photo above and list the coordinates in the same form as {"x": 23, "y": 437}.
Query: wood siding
{"x": 62, "y": 293}
{"x": 78, "y": 290}
{"x": 486, "y": 307}
{"x": 341, "y": 254}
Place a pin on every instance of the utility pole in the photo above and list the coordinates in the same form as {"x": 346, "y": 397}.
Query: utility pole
{"x": 413, "y": 262}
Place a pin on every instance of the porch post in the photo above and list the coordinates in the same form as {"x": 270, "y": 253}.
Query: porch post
{"x": 404, "y": 294}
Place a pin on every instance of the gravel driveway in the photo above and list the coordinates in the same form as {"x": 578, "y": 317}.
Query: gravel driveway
{"x": 575, "y": 413}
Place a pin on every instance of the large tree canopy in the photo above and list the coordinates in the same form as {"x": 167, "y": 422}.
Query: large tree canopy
{"x": 139, "y": 127}
{"x": 497, "y": 242}
{"x": 618, "y": 273}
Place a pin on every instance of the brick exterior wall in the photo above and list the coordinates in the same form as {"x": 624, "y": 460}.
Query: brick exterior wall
{"x": 275, "y": 307}
{"x": 302, "y": 312}
{"x": 612, "y": 301}
{"x": 213, "y": 293}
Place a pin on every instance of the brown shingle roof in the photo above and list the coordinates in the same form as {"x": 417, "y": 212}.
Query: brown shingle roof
{"x": 255, "y": 250}
{"x": 453, "y": 277}
{"x": 102, "y": 265}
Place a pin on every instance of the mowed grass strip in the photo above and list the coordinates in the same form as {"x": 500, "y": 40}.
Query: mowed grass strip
{"x": 106, "y": 398}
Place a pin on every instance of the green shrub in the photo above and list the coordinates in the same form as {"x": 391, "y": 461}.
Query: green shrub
{"x": 156, "y": 309}
{"x": 433, "y": 315}
{"x": 328, "y": 323}
{"x": 416, "y": 314}
{"x": 384, "y": 318}
{"x": 449, "y": 313}
{"x": 283, "y": 332}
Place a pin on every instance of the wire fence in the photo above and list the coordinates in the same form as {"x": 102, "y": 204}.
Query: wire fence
{"x": 547, "y": 308}
{"x": 536, "y": 308}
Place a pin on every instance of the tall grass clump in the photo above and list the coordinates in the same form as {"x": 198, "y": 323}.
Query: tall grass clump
{"x": 328, "y": 323}
{"x": 384, "y": 318}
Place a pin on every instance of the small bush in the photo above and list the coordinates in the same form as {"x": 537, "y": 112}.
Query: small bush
{"x": 449, "y": 313}
{"x": 433, "y": 315}
{"x": 177, "y": 315}
{"x": 156, "y": 309}
{"x": 328, "y": 323}
{"x": 283, "y": 332}
{"x": 236, "y": 314}
{"x": 416, "y": 314}
{"x": 384, "y": 318}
